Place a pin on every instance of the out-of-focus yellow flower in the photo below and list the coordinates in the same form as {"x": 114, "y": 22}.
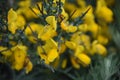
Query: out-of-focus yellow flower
{"x": 62, "y": 48}
{"x": 72, "y": 28}
{"x": 89, "y": 17}
{"x": 98, "y": 48}
{"x": 48, "y": 52}
{"x": 52, "y": 22}
{"x": 52, "y": 55}
{"x": 6, "y": 53}
{"x": 75, "y": 64}
{"x": 50, "y": 44}
{"x": 42, "y": 55}
{"x": 70, "y": 44}
{"x": 28, "y": 65}
{"x": 15, "y": 21}
{"x": 81, "y": 39}
{"x": 64, "y": 63}
{"x": 64, "y": 26}
{"x": 79, "y": 49}
{"x": 68, "y": 28}
{"x": 25, "y": 3}
{"x": 69, "y": 7}
{"x": 102, "y": 39}
{"x": 19, "y": 55}
{"x": 12, "y": 16}
{"x": 64, "y": 14}
{"x": 83, "y": 27}
{"x": 94, "y": 29}
{"x": 48, "y": 57}
{"x": 81, "y": 3}
{"x": 20, "y": 22}
{"x": 101, "y": 12}
{"x": 83, "y": 59}
{"x": 46, "y": 33}
{"x": 34, "y": 27}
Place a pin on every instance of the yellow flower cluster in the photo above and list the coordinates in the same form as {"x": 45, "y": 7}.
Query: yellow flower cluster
{"x": 55, "y": 36}
{"x": 18, "y": 57}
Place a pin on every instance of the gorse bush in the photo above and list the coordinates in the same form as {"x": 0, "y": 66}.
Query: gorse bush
{"x": 57, "y": 34}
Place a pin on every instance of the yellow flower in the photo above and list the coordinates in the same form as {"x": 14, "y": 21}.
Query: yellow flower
{"x": 75, "y": 64}
{"x": 52, "y": 22}
{"x": 94, "y": 29}
{"x": 102, "y": 39}
{"x": 28, "y": 65}
{"x": 79, "y": 49}
{"x": 89, "y": 17}
{"x": 25, "y": 3}
{"x": 19, "y": 55}
{"x": 35, "y": 28}
{"x": 48, "y": 52}
{"x": 62, "y": 48}
{"x": 64, "y": 26}
{"x": 70, "y": 44}
{"x": 6, "y": 53}
{"x": 12, "y": 16}
{"x": 42, "y": 55}
{"x": 64, "y": 14}
{"x": 103, "y": 12}
{"x": 46, "y": 33}
{"x": 83, "y": 59}
{"x": 81, "y": 3}
{"x": 81, "y": 39}
{"x": 15, "y": 21}
{"x": 20, "y": 22}
{"x": 64, "y": 63}
{"x": 72, "y": 28}
{"x": 50, "y": 44}
{"x": 83, "y": 27}
{"x": 98, "y": 48}
{"x": 52, "y": 55}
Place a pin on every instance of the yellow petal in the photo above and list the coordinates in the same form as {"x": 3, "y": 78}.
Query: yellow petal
{"x": 63, "y": 25}
{"x": 84, "y": 59}
{"x": 72, "y": 29}
{"x": 28, "y": 66}
{"x": 74, "y": 63}
{"x": 64, "y": 63}
{"x": 51, "y": 21}
{"x": 12, "y": 16}
{"x": 52, "y": 55}
{"x": 70, "y": 45}
{"x": 79, "y": 49}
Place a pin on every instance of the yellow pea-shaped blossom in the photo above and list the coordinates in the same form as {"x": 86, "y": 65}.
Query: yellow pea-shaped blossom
{"x": 6, "y": 53}
{"x": 75, "y": 64}
{"x": 99, "y": 49}
{"x": 83, "y": 59}
{"x": 70, "y": 45}
{"x": 102, "y": 39}
{"x": 64, "y": 26}
{"x": 79, "y": 49}
{"x": 12, "y": 16}
{"x": 52, "y": 22}
{"x": 28, "y": 65}
{"x": 52, "y": 55}
{"x": 103, "y": 12}
{"x": 72, "y": 29}
{"x": 19, "y": 56}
